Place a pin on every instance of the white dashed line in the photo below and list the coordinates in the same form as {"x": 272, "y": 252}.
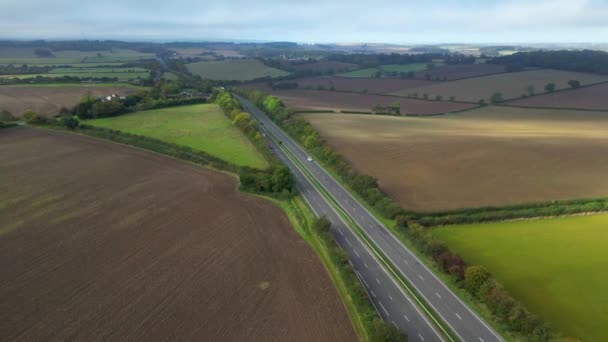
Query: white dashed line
{"x": 365, "y": 282}
{"x": 419, "y": 276}
{"x": 348, "y": 242}
{"x": 373, "y": 294}
{"x": 438, "y": 295}
{"x": 340, "y": 231}
{"x": 407, "y": 263}
{"x": 395, "y": 324}
{"x": 383, "y": 308}
{"x": 378, "y": 281}
{"x": 390, "y": 297}
{"x": 481, "y": 339}
{"x": 407, "y": 319}
{"x": 358, "y": 256}
{"x": 364, "y": 264}
{"x": 460, "y": 318}
{"x": 421, "y": 338}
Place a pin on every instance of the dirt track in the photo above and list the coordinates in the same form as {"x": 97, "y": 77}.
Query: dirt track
{"x": 48, "y": 100}
{"x": 104, "y": 242}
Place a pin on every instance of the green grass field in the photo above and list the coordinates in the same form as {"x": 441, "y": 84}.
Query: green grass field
{"x": 202, "y": 127}
{"x": 240, "y": 70}
{"x": 370, "y": 72}
{"x": 556, "y": 267}
{"x": 123, "y": 74}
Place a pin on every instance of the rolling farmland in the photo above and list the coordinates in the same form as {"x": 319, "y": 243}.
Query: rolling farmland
{"x": 593, "y": 97}
{"x": 510, "y": 85}
{"x": 460, "y": 71}
{"x": 489, "y": 156}
{"x": 324, "y": 67}
{"x": 111, "y": 242}
{"x": 201, "y": 127}
{"x": 239, "y": 70}
{"x": 341, "y": 101}
{"x": 370, "y": 72}
{"x": 48, "y": 99}
{"x": 551, "y": 265}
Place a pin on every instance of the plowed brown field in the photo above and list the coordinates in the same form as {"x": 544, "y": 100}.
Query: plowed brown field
{"x": 104, "y": 242}
{"x": 489, "y": 156}
{"x": 48, "y": 100}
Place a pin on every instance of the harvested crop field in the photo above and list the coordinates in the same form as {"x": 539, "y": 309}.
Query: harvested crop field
{"x": 48, "y": 100}
{"x": 104, "y": 242}
{"x": 484, "y": 157}
{"x": 459, "y": 71}
{"x": 352, "y": 84}
{"x": 594, "y": 97}
{"x": 510, "y": 85}
{"x": 341, "y": 101}
{"x": 551, "y": 265}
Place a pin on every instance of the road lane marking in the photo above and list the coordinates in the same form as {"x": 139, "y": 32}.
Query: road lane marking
{"x": 421, "y": 338}
{"x": 407, "y": 263}
{"x": 348, "y": 242}
{"x": 395, "y": 324}
{"x": 419, "y": 276}
{"x": 438, "y": 295}
{"x": 481, "y": 339}
{"x": 340, "y": 231}
{"x": 407, "y": 319}
{"x": 373, "y": 294}
{"x": 358, "y": 256}
{"x": 364, "y": 264}
{"x": 383, "y": 308}
{"x": 460, "y": 318}
{"x": 378, "y": 281}
{"x": 391, "y": 297}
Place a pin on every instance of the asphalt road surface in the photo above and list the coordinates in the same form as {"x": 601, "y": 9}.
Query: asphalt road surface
{"x": 393, "y": 304}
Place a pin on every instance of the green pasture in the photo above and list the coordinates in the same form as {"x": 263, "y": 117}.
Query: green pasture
{"x": 238, "y": 70}
{"x": 557, "y": 267}
{"x": 202, "y": 127}
{"x": 371, "y": 72}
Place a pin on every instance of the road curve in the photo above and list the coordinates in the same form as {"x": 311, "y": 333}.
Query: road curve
{"x": 463, "y": 322}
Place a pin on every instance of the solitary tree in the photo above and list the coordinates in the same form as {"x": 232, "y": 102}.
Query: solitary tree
{"x": 496, "y": 98}
{"x": 574, "y": 84}
{"x": 530, "y": 89}
{"x": 550, "y": 87}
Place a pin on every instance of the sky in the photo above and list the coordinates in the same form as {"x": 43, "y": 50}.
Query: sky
{"x": 310, "y": 21}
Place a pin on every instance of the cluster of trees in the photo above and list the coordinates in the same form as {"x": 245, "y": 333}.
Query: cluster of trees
{"x": 478, "y": 282}
{"x": 24, "y": 69}
{"x": 364, "y": 185}
{"x": 377, "y": 329}
{"x": 277, "y": 180}
{"x": 390, "y": 109}
{"x": 583, "y": 61}
{"x": 487, "y": 214}
{"x": 373, "y": 60}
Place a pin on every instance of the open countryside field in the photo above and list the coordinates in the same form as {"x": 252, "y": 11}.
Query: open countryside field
{"x": 112, "y": 243}
{"x": 202, "y": 127}
{"x": 353, "y": 84}
{"x": 485, "y": 157}
{"x": 341, "y": 101}
{"x": 325, "y": 67}
{"x": 594, "y": 97}
{"x": 510, "y": 85}
{"x": 370, "y": 72}
{"x": 48, "y": 99}
{"x": 239, "y": 70}
{"x": 458, "y": 71}
{"x": 21, "y": 56}
{"x": 552, "y": 265}
{"x": 83, "y": 71}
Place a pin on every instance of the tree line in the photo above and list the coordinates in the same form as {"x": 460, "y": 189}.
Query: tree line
{"x": 591, "y": 61}
{"x": 373, "y": 60}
